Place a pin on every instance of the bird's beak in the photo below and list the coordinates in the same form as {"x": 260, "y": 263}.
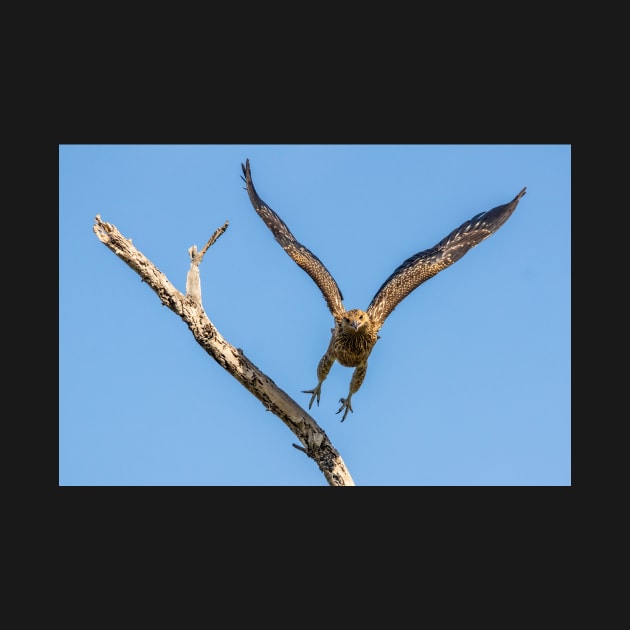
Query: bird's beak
{"x": 355, "y": 324}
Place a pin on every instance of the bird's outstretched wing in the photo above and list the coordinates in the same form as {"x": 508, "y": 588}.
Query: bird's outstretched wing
{"x": 303, "y": 256}
{"x": 424, "y": 265}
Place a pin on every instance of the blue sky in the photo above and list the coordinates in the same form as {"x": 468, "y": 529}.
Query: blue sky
{"x": 469, "y": 385}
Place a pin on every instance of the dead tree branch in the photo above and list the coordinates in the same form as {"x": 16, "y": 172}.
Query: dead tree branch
{"x": 313, "y": 439}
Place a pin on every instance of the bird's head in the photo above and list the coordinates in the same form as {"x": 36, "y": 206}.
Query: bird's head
{"x": 354, "y": 320}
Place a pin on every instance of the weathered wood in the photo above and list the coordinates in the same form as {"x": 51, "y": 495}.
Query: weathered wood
{"x": 313, "y": 438}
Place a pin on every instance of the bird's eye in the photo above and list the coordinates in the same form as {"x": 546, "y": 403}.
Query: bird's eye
{"x": 361, "y": 316}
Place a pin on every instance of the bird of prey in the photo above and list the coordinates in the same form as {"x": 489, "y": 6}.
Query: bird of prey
{"x": 355, "y": 331}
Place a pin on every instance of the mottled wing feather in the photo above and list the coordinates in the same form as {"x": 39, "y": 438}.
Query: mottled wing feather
{"x": 304, "y": 257}
{"x": 424, "y": 265}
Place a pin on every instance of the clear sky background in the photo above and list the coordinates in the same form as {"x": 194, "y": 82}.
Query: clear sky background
{"x": 470, "y": 383}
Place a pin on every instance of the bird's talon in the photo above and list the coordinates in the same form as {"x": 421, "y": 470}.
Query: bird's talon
{"x": 316, "y": 395}
{"x": 345, "y": 403}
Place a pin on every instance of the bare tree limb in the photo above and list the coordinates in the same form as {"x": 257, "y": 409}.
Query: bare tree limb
{"x": 313, "y": 439}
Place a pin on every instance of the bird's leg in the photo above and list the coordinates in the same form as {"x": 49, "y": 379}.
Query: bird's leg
{"x": 357, "y": 379}
{"x": 323, "y": 367}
